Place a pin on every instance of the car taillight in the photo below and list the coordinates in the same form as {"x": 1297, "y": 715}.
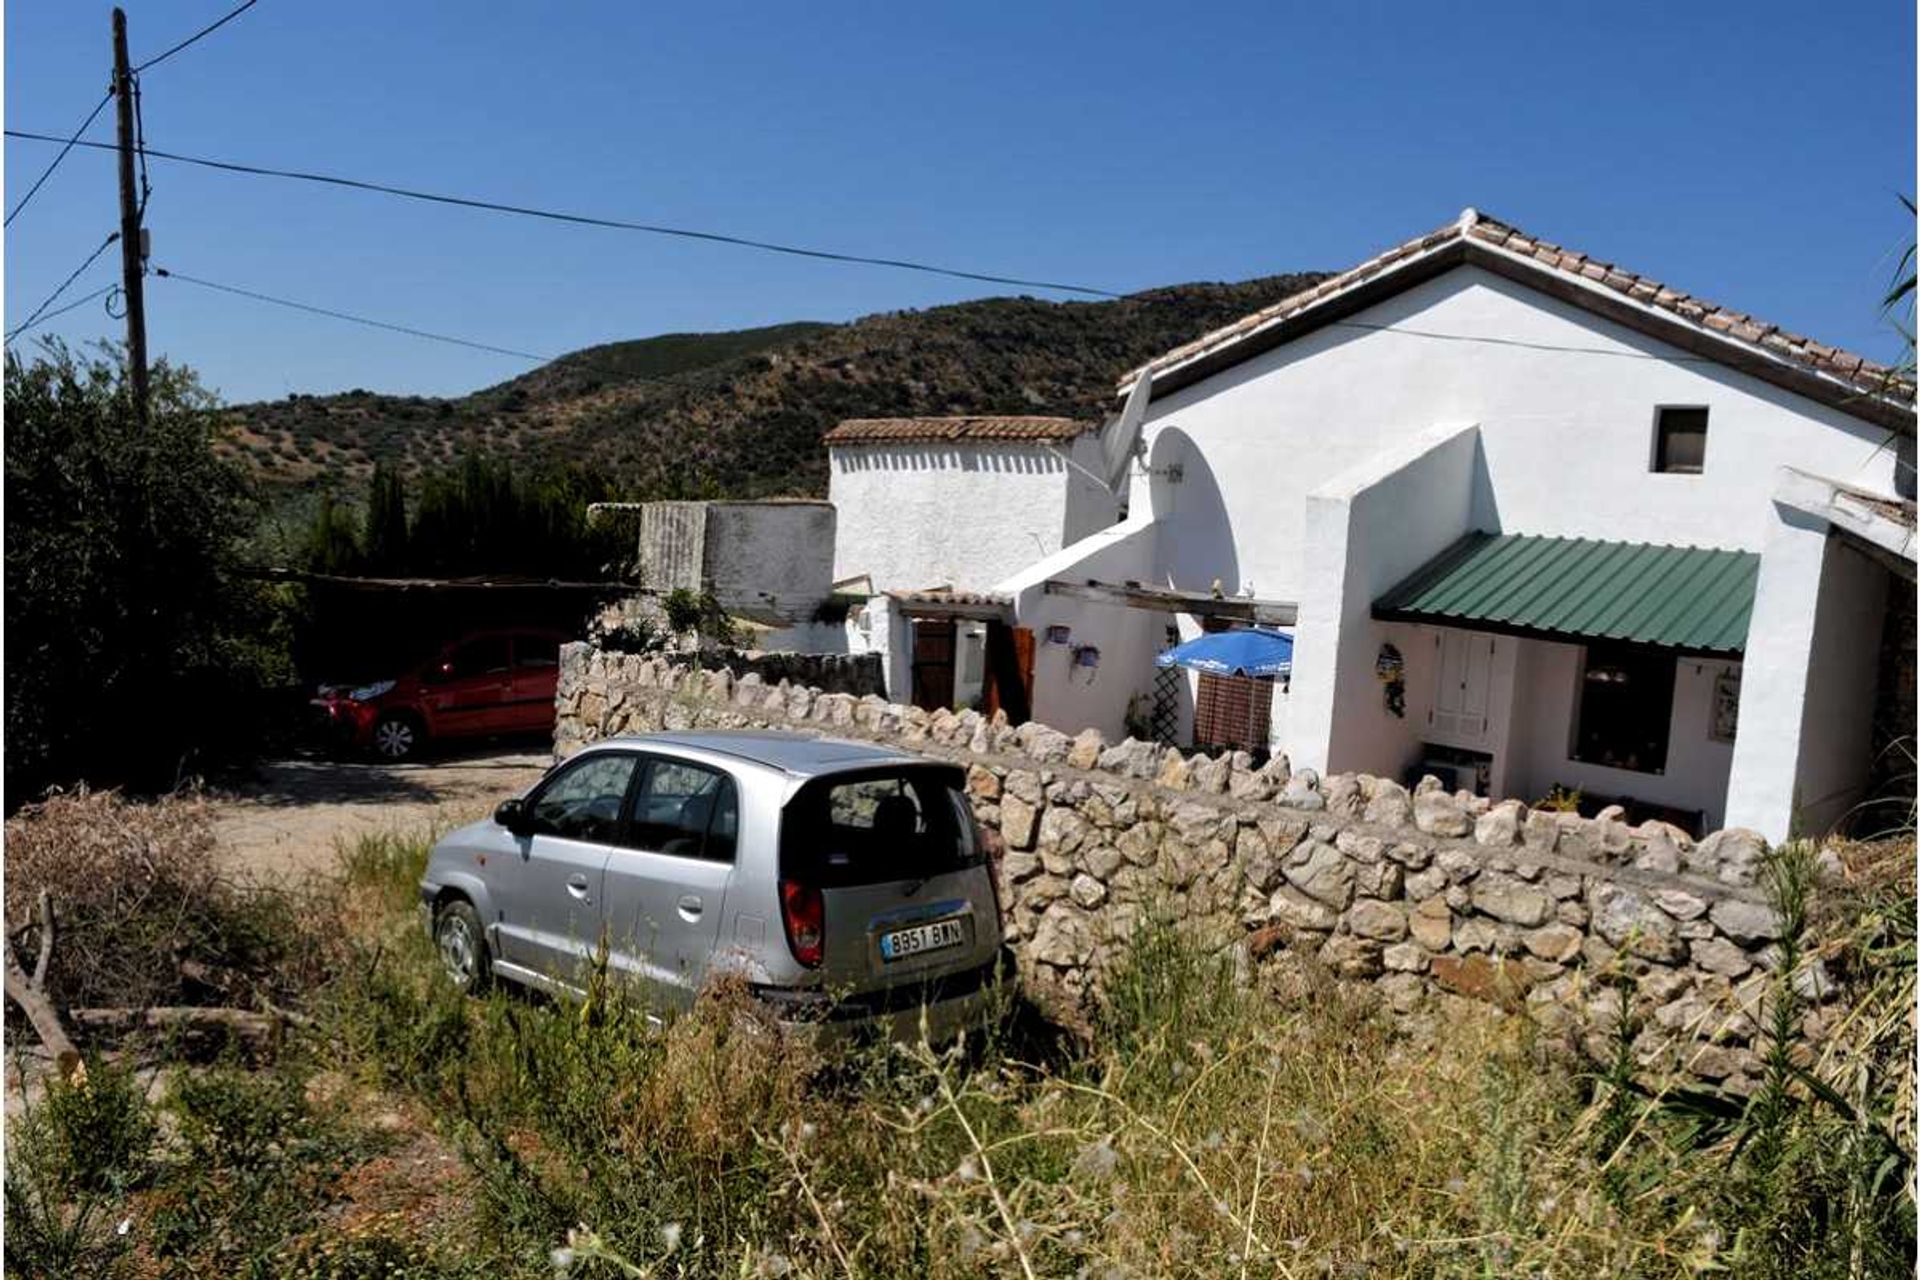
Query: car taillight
{"x": 804, "y": 912}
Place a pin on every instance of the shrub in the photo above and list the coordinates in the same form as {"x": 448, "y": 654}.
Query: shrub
{"x": 131, "y": 645}
{"x": 137, "y": 890}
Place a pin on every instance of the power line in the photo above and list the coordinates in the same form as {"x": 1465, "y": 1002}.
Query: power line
{"x": 70, "y": 143}
{"x": 104, "y": 289}
{"x": 28, "y": 323}
{"x": 342, "y": 315}
{"x": 617, "y": 224}
{"x": 202, "y": 33}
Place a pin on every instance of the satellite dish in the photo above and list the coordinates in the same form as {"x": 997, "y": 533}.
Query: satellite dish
{"x": 1120, "y": 436}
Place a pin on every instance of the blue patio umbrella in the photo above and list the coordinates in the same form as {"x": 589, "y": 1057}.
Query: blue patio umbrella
{"x": 1250, "y": 651}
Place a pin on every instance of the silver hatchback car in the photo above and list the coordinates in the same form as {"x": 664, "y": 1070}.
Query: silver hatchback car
{"x": 845, "y": 883}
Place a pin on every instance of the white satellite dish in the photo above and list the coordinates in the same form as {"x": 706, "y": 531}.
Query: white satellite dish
{"x": 1123, "y": 433}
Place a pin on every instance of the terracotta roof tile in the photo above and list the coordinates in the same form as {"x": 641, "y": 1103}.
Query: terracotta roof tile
{"x": 1854, "y": 372}
{"x": 887, "y": 430}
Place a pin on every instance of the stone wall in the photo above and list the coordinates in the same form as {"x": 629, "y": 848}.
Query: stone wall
{"x": 1412, "y": 892}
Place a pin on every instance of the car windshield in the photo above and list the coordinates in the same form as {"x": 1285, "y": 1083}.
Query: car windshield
{"x": 876, "y": 826}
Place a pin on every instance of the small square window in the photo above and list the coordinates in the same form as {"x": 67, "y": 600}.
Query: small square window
{"x": 1680, "y": 441}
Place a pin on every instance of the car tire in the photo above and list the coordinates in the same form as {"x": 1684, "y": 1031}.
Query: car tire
{"x": 397, "y": 737}
{"x": 461, "y": 943}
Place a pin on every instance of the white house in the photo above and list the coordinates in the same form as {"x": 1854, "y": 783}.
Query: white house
{"x": 933, "y": 510}
{"x": 1536, "y": 521}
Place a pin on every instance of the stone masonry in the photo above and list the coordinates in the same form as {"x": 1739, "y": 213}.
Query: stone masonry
{"x": 1412, "y": 892}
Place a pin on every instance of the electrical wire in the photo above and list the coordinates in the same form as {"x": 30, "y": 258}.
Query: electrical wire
{"x": 53, "y": 297}
{"x": 107, "y": 288}
{"x": 616, "y": 224}
{"x": 70, "y": 143}
{"x": 201, "y": 34}
{"x": 165, "y": 274}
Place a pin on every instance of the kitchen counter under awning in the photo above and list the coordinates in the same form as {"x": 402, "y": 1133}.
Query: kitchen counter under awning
{"x": 1693, "y": 600}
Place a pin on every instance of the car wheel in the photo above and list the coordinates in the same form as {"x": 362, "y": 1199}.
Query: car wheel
{"x": 462, "y": 945}
{"x": 395, "y": 738}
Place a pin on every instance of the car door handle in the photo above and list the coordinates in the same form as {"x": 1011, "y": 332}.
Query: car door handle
{"x": 577, "y": 886}
{"x": 690, "y": 907}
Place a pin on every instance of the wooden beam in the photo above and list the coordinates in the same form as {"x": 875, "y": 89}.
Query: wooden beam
{"x": 1201, "y": 604}
{"x": 970, "y": 612}
{"x": 439, "y": 584}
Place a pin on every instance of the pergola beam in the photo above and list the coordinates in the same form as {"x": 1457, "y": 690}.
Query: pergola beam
{"x": 1201, "y": 604}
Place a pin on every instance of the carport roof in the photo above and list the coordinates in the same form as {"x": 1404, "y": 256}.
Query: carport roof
{"x": 1692, "y": 599}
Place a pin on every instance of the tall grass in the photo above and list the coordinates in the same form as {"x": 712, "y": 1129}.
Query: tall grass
{"x": 1208, "y": 1127}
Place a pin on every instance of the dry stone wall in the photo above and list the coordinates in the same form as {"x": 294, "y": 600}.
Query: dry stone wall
{"x": 1412, "y": 892}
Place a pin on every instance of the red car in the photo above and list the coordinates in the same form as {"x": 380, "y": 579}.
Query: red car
{"x": 485, "y": 684}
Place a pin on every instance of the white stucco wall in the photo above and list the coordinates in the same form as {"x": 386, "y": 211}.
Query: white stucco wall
{"x": 1546, "y": 692}
{"x": 1365, "y": 531}
{"x": 1074, "y": 698}
{"x": 1565, "y": 402}
{"x": 771, "y": 555}
{"x": 1836, "y": 739}
{"x": 960, "y": 514}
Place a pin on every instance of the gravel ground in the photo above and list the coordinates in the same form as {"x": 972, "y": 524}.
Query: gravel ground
{"x": 290, "y": 816}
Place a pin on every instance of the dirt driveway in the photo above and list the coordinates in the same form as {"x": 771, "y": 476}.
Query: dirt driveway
{"x": 289, "y": 816}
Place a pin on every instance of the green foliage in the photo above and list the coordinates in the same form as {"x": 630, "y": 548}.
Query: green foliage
{"x": 333, "y": 545}
{"x": 384, "y": 535}
{"x": 698, "y": 613}
{"x": 485, "y": 516}
{"x": 132, "y": 649}
{"x": 741, "y": 414}
{"x": 97, "y": 1127}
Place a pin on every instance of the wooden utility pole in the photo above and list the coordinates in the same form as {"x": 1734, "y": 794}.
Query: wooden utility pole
{"x": 132, "y": 250}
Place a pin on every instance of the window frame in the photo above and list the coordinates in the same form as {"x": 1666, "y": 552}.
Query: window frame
{"x": 1639, "y": 654}
{"x": 621, "y": 826}
{"x": 643, "y": 777}
{"x": 1657, "y": 463}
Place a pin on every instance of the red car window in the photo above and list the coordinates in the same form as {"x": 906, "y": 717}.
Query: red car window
{"x": 482, "y": 657}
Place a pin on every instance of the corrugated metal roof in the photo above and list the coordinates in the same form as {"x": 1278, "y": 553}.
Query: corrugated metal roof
{"x": 1694, "y": 599}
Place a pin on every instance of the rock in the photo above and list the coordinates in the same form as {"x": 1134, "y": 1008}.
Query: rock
{"x": 1555, "y": 942}
{"x": 1343, "y": 795}
{"x": 1380, "y": 921}
{"x": 1626, "y": 919}
{"x": 1101, "y": 860}
{"x": 983, "y": 784}
{"x": 1063, "y": 938}
{"x": 1379, "y": 879}
{"x": 1732, "y": 856}
{"x": 1063, "y": 829}
{"x": 1291, "y": 907}
{"x": 1403, "y": 992}
{"x": 1542, "y": 831}
{"x": 1087, "y": 891}
{"x": 1404, "y": 957}
{"x": 1717, "y": 955}
{"x": 1322, "y": 872}
{"x": 1020, "y": 866}
{"x": 1389, "y": 805}
{"x": 1415, "y": 855}
{"x": 1660, "y": 986}
{"x": 1132, "y": 758}
{"x": 1086, "y": 749}
{"x": 1475, "y": 935}
{"x": 1432, "y": 924}
{"x": 1679, "y": 904}
{"x": 1264, "y": 941}
{"x": 1658, "y": 854}
{"x": 1514, "y": 901}
{"x": 1359, "y": 846}
{"x": 1174, "y": 772}
{"x": 1140, "y": 843}
{"x": 1439, "y": 814}
{"x": 1212, "y": 776}
{"x": 1018, "y": 821}
{"x": 1563, "y": 886}
{"x": 1025, "y": 785}
{"x": 1303, "y": 792}
{"x": 1499, "y": 827}
{"x": 1459, "y": 865}
{"x": 1425, "y": 884}
{"x": 1829, "y": 868}
{"x": 1747, "y": 923}
{"x": 1479, "y": 978}
{"x": 1351, "y": 957}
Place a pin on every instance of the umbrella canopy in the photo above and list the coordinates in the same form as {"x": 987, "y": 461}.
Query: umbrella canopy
{"x": 1249, "y": 651}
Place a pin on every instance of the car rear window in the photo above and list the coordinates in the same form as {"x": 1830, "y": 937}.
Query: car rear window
{"x": 875, "y": 826}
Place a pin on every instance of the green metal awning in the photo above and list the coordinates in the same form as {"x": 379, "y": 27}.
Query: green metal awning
{"x": 1692, "y": 599}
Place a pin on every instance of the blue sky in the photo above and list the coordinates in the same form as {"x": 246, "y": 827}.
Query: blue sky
{"x": 1750, "y": 153}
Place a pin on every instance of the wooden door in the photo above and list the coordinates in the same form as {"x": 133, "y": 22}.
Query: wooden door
{"x": 1010, "y": 671}
{"x": 1461, "y": 689}
{"x": 932, "y": 664}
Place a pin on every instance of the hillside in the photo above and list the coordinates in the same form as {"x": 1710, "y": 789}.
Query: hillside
{"x": 742, "y": 413}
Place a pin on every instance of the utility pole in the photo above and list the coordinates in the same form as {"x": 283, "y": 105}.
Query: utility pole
{"x": 132, "y": 249}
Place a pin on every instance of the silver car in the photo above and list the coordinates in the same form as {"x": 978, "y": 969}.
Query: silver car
{"x": 845, "y": 883}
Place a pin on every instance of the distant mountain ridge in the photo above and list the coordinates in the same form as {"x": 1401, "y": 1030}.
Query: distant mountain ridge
{"x": 741, "y": 413}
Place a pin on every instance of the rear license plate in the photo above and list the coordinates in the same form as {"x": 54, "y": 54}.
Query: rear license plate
{"x": 898, "y": 944}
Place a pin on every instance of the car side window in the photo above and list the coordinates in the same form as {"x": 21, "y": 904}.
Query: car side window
{"x": 687, "y": 810}
{"x": 583, "y": 802}
{"x": 483, "y": 657}
{"x": 536, "y": 653}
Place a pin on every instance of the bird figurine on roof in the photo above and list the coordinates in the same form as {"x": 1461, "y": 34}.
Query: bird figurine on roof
{"x": 1219, "y": 592}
